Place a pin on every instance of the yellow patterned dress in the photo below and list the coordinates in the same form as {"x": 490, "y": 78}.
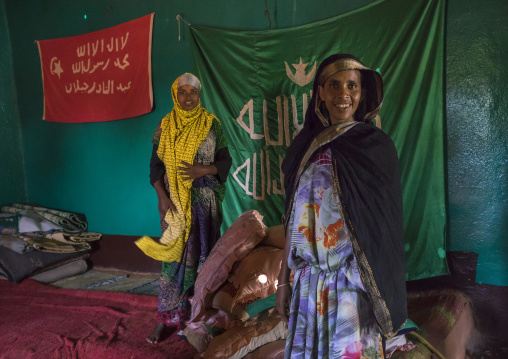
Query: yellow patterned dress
{"x": 177, "y": 278}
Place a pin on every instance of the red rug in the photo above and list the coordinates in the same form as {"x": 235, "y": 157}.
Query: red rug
{"x": 39, "y": 321}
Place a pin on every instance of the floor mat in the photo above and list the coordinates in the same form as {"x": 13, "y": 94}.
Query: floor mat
{"x": 120, "y": 282}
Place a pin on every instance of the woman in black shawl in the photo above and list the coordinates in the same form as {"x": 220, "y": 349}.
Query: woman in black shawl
{"x": 343, "y": 222}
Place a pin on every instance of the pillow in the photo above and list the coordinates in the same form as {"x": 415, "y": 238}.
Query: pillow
{"x": 262, "y": 329}
{"x": 255, "y": 276}
{"x": 437, "y": 312}
{"x": 243, "y": 235}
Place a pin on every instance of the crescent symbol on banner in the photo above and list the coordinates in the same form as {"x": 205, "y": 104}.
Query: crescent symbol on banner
{"x": 299, "y": 77}
{"x": 57, "y": 68}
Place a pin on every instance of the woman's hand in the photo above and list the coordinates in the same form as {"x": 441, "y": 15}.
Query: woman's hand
{"x": 165, "y": 203}
{"x": 283, "y": 301}
{"x": 191, "y": 172}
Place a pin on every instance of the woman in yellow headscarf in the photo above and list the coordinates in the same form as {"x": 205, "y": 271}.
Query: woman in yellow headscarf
{"x": 189, "y": 166}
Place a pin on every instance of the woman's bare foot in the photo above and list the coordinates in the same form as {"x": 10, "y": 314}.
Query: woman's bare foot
{"x": 155, "y": 335}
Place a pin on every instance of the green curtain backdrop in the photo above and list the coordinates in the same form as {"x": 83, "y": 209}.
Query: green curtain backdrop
{"x": 259, "y": 83}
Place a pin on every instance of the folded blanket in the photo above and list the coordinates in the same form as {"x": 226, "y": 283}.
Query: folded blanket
{"x": 69, "y": 221}
{"x": 15, "y": 243}
{"x": 54, "y": 246}
{"x": 9, "y": 223}
{"x": 67, "y": 270}
{"x": 33, "y": 222}
{"x": 17, "y": 267}
{"x": 72, "y": 238}
{"x": 56, "y": 242}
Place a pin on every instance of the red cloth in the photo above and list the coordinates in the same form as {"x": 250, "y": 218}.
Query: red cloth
{"x": 39, "y": 321}
{"x": 100, "y": 76}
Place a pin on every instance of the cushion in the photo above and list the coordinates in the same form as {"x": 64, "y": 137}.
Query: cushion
{"x": 445, "y": 320}
{"x": 256, "y": 275}
{"x": 239, "y": 239}
{"x": 262, "y": 329}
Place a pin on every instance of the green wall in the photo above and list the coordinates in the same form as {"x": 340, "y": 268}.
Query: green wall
{"x": 477, "y": 112}
{"x": 12, "y": 177}
{"x": 101, "y": 169}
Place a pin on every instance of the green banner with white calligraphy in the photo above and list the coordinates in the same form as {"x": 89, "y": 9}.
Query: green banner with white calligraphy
{"x": 259, "y": 83}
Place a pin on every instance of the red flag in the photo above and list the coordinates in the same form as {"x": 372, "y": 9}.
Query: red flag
{"x": 104, "y": 75}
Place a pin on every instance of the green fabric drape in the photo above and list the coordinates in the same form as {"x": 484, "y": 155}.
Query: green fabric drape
{"x": 259, "y": 84}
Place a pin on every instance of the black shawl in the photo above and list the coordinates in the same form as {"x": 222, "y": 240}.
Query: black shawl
{"x": 367, "y": 181}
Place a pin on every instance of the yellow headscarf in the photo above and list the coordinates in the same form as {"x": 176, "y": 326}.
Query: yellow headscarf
{"x": 182, "y": 132}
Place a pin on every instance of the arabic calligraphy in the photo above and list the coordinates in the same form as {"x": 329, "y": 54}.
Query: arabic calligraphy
{"x": 91, "y": 62}
{"x": 104, "y": 87}
{"x": 124, "y": 61}
{"x": 103, "y": 75}
{"x": 91, "y": 49}
{"x": 257, "y": 175}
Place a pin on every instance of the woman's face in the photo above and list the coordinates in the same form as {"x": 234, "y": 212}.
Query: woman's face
{"x": 188, "y": 97}
{"x": 341, "y": 94}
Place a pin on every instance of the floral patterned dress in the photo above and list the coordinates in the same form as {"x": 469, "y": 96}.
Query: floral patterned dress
{"x": 331, "y": 316}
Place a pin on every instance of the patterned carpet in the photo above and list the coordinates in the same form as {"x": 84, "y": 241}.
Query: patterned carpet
{"x": 117, "y": 281}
